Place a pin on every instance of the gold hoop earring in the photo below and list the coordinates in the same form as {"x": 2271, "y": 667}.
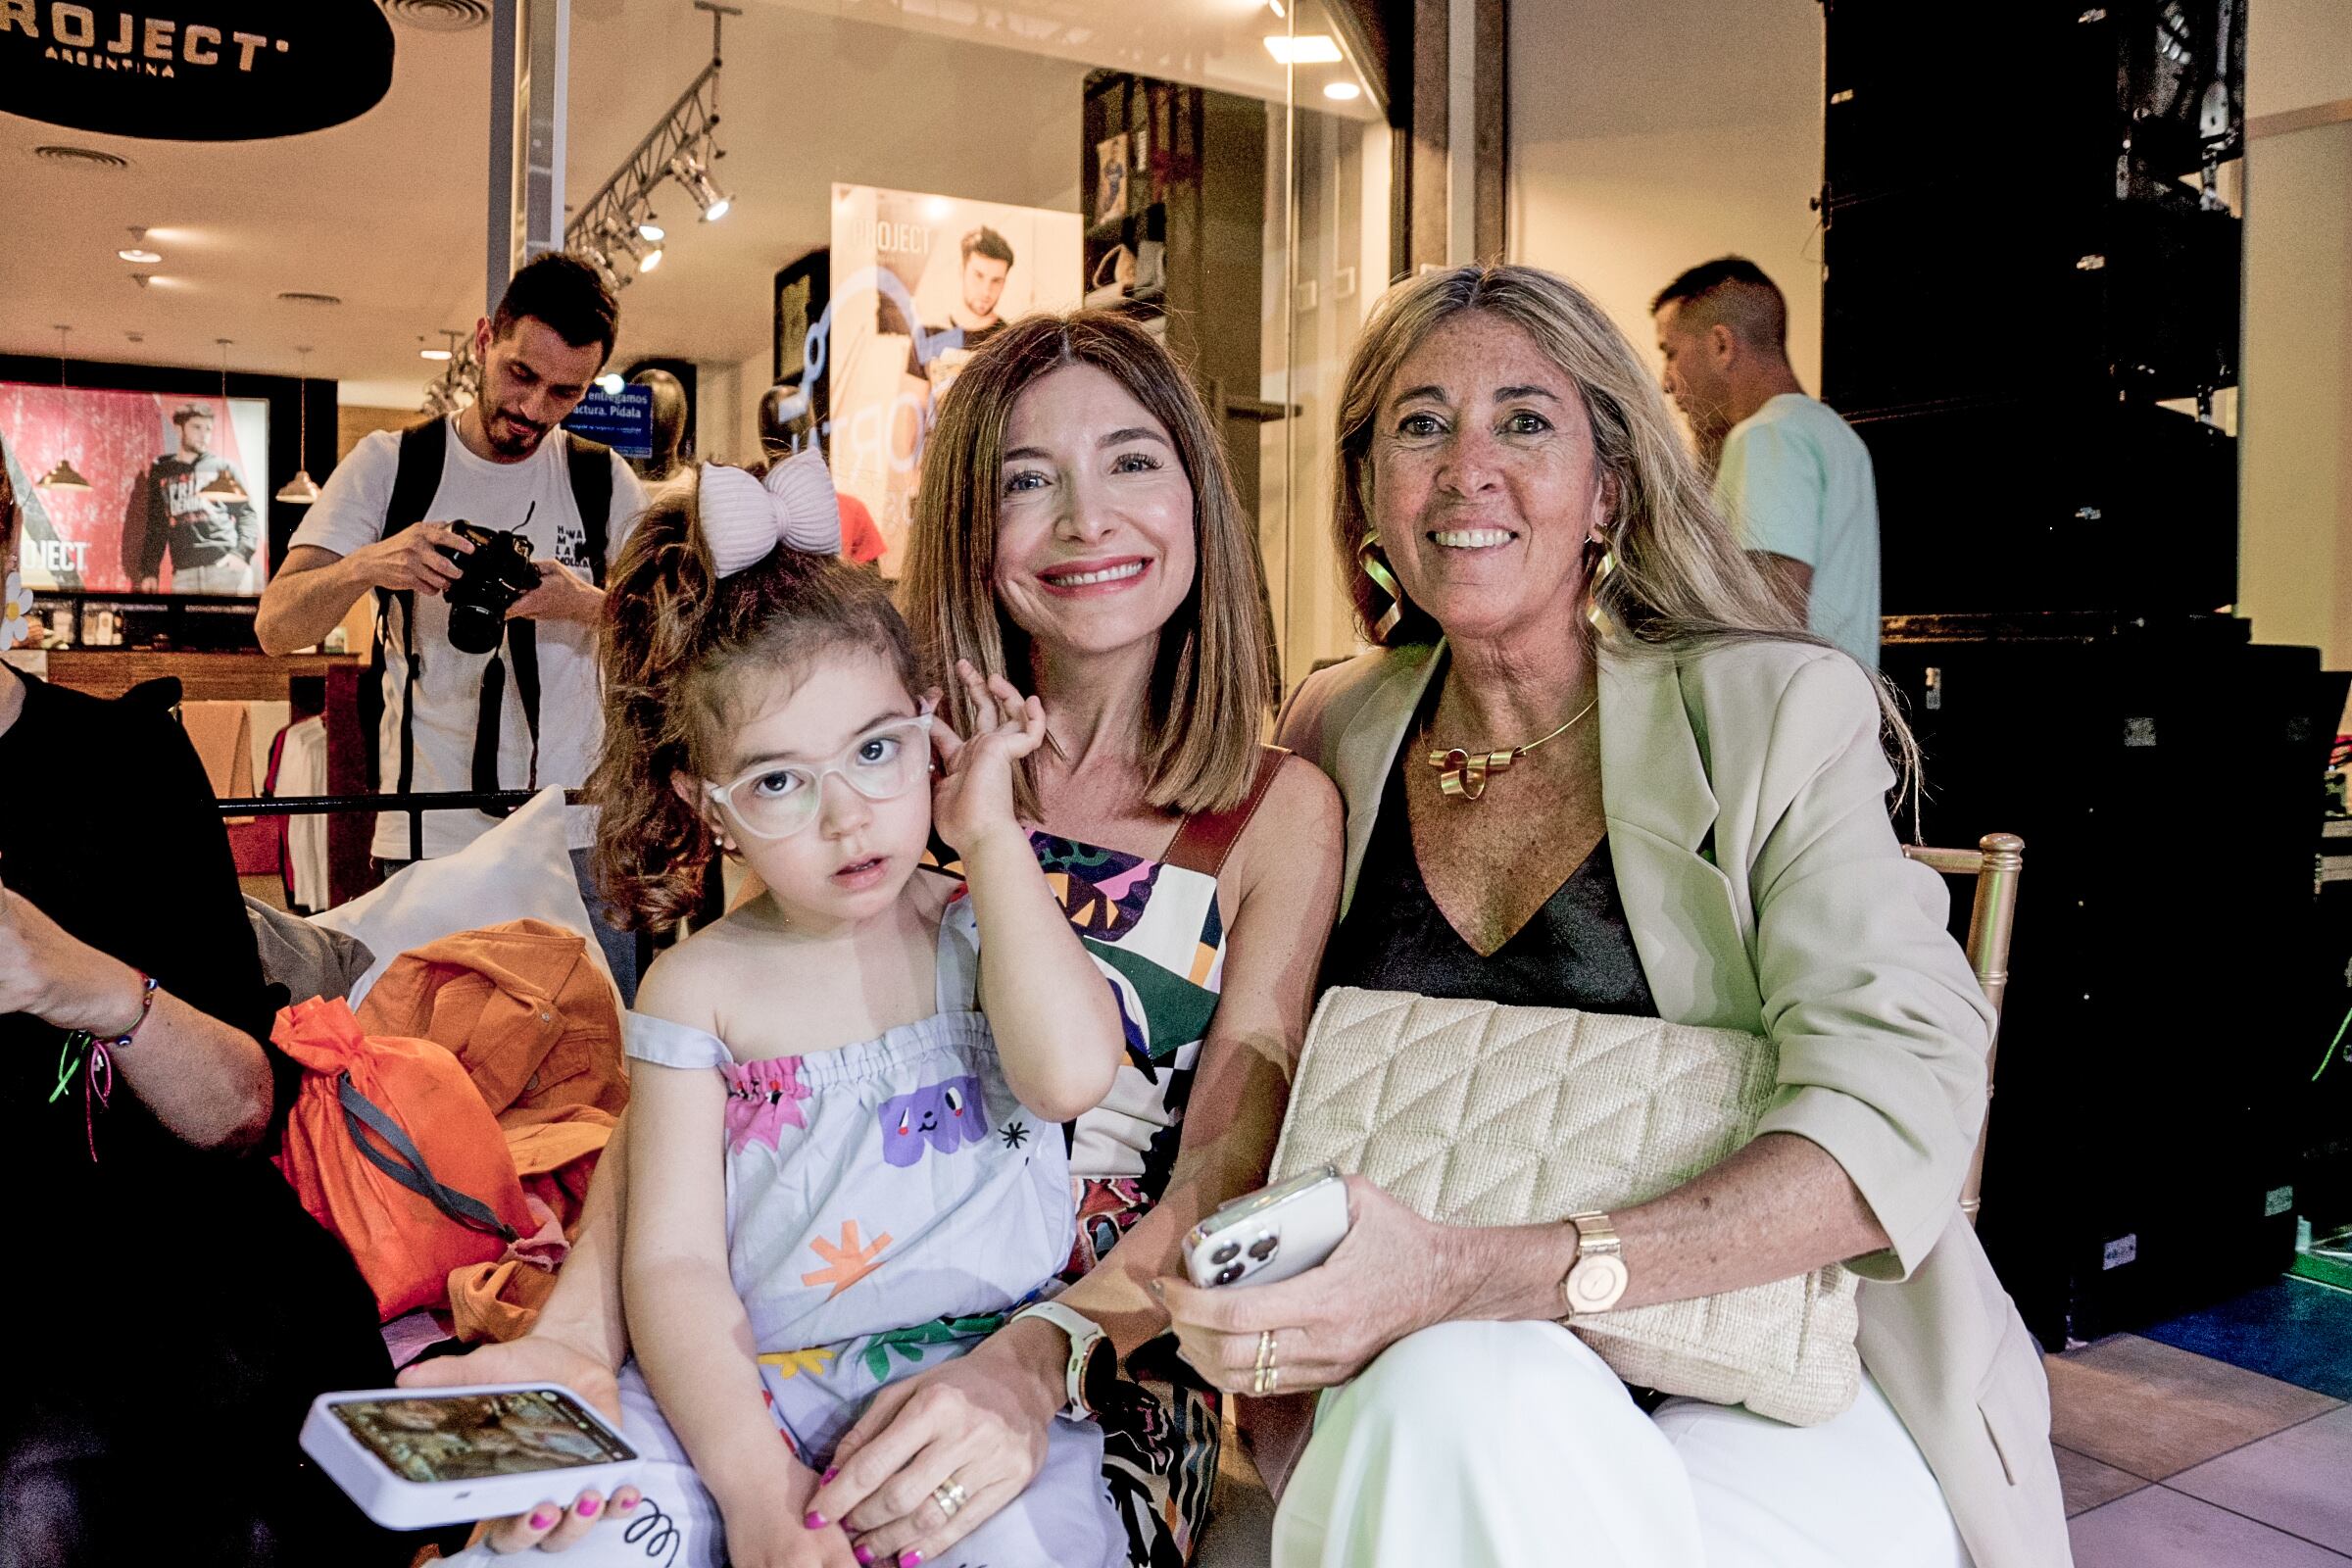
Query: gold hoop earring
{"x": 1368, "y": 557}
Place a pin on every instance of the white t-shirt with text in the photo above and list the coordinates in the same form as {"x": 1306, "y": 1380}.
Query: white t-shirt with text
{"x": 349, "y": 514}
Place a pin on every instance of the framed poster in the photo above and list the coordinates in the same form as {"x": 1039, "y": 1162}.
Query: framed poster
{"x": 803, "y": 289}
{"x": 919, "y": 283}
{"x": 140, "y": 492}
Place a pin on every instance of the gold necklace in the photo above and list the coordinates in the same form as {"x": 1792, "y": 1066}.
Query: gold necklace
{"x": 1465, "y": 774}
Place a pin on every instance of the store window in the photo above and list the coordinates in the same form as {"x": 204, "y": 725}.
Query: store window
{"x": 1216, "y": 168}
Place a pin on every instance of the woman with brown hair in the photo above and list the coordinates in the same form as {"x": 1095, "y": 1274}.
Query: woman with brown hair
{"x": 1599, "y": 766}
{"x": 1076, "y": 533}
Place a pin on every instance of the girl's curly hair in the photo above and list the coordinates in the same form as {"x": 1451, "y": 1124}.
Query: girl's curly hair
{"x": 677, "y": 640}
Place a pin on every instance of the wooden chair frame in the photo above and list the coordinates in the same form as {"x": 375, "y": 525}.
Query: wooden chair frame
{"x": 1996, "y": 862}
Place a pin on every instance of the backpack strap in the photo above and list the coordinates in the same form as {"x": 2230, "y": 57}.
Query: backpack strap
{"x": 591, "y": 468}
{"x": 1206, "y": 838}
{"x": 424, "y": 449}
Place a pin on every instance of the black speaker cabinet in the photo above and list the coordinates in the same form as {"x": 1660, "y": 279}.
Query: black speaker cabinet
{"x": 1985, "y": 93}
{"x": 2035, "y": 503}
{"x": 2163, "y": 777}
{"x": 1930, "y": 295}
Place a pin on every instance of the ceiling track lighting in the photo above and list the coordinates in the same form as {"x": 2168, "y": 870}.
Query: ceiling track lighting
{"x": 62, "y": 479}
{"x": 137, "y": 250}
{"x": 223, "y": 486}
{"x": 617, "y": 221}
{"x": 302, "y": 489}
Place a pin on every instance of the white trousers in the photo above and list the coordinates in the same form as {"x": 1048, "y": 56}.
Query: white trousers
{"x": 1482, "y": 1444}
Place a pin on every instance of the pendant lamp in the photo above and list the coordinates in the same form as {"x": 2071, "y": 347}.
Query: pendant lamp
{"x": 302, "y": 489}
{"x": 61, "y": 477}
{"x": 223, "y": 486}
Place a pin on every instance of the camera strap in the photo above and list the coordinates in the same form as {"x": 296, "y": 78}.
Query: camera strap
{"x": 523, "y": 648}
{"x": 424, "y": 451}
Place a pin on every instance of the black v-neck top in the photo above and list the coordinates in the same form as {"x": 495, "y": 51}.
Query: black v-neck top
{"x": 1576, "y": 951}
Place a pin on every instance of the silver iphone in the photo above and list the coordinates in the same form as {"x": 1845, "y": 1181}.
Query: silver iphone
{"x": 1270, "y": 1233}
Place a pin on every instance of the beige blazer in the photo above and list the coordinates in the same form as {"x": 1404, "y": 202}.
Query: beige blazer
{"x": 1746, "y": 792}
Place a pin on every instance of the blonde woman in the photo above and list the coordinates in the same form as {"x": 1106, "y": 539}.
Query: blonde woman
{"x": 1691, "y": 824}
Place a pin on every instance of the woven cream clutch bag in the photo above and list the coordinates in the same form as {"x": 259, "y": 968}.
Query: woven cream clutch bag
{"x": 1474, "y": 1114}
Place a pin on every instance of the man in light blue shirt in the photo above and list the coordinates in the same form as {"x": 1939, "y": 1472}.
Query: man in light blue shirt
{"x": 1791, "y": 475}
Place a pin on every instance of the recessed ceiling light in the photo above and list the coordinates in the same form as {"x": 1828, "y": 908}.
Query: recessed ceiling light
{"x": 439, "y": 15}
{"x": 145, "y": 258}
{"x": 1303, "y": 49}
{"x": 1344, "y": 91}
{"x": 432, "y": 354}
{"x": 90, "y": 158}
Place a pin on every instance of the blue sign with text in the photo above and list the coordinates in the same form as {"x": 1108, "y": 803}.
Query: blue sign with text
{"x": 622, "y": 420}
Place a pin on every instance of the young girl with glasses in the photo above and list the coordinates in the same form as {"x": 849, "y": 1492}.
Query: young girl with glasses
{"x": 844, "y": 1158}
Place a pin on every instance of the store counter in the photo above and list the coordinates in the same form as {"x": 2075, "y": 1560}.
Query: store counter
{"x": 204, "y": 677}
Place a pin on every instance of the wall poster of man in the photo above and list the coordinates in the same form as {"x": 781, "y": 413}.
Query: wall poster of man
{"x": 943, "y": 274}
{"x": 172, "y": 497}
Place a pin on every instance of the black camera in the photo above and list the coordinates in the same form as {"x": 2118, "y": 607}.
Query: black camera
{"x": 490, "y": 579}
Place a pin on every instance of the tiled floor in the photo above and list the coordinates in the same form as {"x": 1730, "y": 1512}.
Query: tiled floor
{"x": 2222, "y": 1440}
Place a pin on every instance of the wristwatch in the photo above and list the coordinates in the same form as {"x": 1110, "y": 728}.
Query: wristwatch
{"x": 1597, "y": 1279}
{"x": 1094, "y": 1361}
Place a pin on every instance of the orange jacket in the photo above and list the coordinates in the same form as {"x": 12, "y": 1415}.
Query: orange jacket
{"x": 537, "y": 1026}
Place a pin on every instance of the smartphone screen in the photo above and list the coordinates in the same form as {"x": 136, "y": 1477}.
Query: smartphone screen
{"x": 468, "y": 1437}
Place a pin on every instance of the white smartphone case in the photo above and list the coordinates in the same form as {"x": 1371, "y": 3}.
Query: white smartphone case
{"x": 1270, "y": 1233}
{"x": 397, "y": 1503}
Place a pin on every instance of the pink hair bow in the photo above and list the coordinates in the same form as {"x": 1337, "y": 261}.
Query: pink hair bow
{"x": 744, "y": 518}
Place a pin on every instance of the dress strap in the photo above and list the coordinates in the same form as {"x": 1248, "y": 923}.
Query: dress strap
{"x": 957, "y": 985}
{"x": 1206, "y": 838}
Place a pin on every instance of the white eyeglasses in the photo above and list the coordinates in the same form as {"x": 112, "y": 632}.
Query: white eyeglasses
{"x": 778, "y": 799}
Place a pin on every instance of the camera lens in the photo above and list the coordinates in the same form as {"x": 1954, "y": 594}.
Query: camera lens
{"x": 1226, "y": 1252}
{"x": 1227, "y": 1274}
{"x": 474, "y": 628}
{"x": 1264, "y": 1247}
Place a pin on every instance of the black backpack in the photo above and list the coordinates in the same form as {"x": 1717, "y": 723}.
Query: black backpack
{"x": 424, "y": 449}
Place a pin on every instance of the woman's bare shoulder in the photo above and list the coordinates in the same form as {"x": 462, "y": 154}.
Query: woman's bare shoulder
{"x": 1297, "y": 828}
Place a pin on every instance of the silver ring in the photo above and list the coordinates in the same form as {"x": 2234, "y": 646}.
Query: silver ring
{"x": 950, "y": 1495}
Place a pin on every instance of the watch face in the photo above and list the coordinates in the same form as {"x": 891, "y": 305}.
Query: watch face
{"x": 1098, "y": 1382}
{"x": 1596, "y": 1283}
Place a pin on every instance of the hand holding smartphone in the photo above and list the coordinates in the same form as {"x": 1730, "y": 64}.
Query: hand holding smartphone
{"x": 415, "y": 1458}
{"x": 1270, "y": 1233}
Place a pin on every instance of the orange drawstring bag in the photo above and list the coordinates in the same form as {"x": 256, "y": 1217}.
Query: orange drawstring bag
{"x": 390, "y": 1146}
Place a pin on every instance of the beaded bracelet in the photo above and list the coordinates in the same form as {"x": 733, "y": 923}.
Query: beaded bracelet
{"x": 146, "y": 1005}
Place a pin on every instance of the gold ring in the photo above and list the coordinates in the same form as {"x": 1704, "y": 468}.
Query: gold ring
{"x": 1265, "y": 1350}
{"x": 950, "y": 1495}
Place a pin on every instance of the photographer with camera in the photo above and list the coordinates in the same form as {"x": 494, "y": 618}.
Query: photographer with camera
{"x": 484, "y": 537}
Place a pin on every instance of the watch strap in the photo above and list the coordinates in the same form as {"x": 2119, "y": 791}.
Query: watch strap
{"x": 1596, "y": 1280}
{"x": 1083, "y": 1332}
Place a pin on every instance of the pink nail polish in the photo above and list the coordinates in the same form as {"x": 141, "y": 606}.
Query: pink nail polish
{"x": 864, "y": 1557}
{"x": 815, "y": 1520}
{"x": 587, "y": 1507}
{"x": 629, "y": 1505}
{"x": 543, "y": 1520}
{"x": 826, "y": 1479}
{"x": 910, "y": 1560}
